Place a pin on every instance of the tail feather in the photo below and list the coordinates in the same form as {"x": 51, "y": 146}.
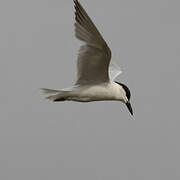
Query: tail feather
{"x": 57, "y": 95}
{"x": 49, "y": 91}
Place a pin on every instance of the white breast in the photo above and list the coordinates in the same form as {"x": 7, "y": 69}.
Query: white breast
{"x": 106, "y": 91}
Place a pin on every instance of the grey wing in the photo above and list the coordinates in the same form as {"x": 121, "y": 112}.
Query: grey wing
{"x": 114, "y": 71}
{"x": 94, "y": 57}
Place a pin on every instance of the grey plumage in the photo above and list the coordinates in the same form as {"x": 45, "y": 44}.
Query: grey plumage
{"x": 94, "y": 57}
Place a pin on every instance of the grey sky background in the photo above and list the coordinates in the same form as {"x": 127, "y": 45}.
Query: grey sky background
{"x": 93, "y": 141}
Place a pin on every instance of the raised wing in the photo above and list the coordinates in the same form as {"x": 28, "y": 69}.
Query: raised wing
{"x": 114, "y": 71}
{"x": 94, "y": 57}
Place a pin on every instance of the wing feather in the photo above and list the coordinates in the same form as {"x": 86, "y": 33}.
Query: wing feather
{"x": 94, "y": 57}
{"x": 114, "y": 71}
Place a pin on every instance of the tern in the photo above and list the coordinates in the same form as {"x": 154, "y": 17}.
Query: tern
{"x": 96, "y": 74}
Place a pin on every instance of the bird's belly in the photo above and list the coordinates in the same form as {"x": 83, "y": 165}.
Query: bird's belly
{"x": 95, "y": 93}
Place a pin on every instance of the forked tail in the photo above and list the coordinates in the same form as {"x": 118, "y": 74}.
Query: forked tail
{"x": 56, "y": 95}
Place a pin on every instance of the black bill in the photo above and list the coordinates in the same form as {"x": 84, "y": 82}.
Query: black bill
{"x": 129, "y": 108}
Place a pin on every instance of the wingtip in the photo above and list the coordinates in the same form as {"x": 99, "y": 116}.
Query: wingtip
{"x": 75, "y": 5}
{"x": 75, "y": 1}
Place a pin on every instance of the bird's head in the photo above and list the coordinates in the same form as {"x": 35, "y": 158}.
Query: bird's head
{"x": 126, "y": 96}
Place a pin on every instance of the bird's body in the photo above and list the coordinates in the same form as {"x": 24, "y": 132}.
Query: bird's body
{"x": 96, "y": 74}
{"x": 100, "y": 92}
{"x": 87, "y": 93}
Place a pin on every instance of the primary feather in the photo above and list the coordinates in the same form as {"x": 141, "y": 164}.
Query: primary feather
{"x": 94, "y": 57}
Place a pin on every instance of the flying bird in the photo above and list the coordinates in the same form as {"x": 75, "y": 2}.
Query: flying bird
{"x": 96, "y": 74}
